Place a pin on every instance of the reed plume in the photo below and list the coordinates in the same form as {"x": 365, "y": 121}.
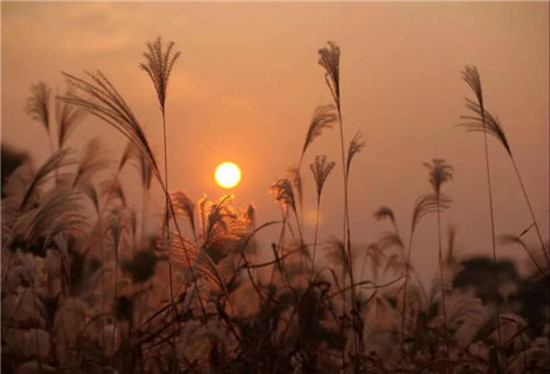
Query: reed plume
{"x": 329, "y": 59}
{"x": 322, "y": 119}
{"x": 284, "y": 193}
{"x": 55, "y": 162}
{"x": 321, "y": 169}
{"x": 93, "y": 160}
{"x": 38, "y": 105}
{"x": 386, "y": 212}
{"x": 68, "y": 117}
{"x": 158, "y": 65}
{"x": 99, "y": 97}
{"x": 183, "y": 204}
{"x": 355, "y": 147}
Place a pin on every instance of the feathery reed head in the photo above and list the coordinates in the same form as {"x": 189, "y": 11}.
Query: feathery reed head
{"x": 56, "y": 161}
{"x": 103, "y": 101}
{"x": 250, "y": 215}
{"x": 323, "y": 118}
{"x": 329, "y": 59}
{"x": 355, "y": 147}
{"x": 183, "y": 204}
{"x": 296, "y": 179}
{"x": 61, "y": 213}
{"x": 284, "y": 193}
{"x": 386, "y": 212}
{"x": 93, "y": 160}
{"x": 131, "y": 152}
{"x": 426, "y": 204}
{"x": 67, "y": 117}
{"x": 481, "y": 120}
{"x": 221, "y": 225}
{"x": 471, "y": 77}
{"x": 440, "y": 172}
{"x": 321, "y": 168}
{"x": 484, "y": 122}
{"x": 38, "y": 105}
{"x": 159, "y": 64}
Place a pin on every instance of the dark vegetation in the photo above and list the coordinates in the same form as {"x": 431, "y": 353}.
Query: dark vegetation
{"x": 84, "y": 289}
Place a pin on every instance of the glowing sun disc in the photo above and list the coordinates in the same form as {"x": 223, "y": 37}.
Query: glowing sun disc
{"x": 228, "y": 175}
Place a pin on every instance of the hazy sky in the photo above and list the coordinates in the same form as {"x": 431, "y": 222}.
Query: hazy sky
{"x": 248, "y": 81}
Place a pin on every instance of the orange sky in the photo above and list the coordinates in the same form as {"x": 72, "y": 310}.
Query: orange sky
{"x": 248, "y": 80}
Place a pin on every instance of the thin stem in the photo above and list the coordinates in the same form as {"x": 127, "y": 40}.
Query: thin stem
{"x": 35, "y": 310}
{"x": 493, "y": 240}
{"x": 345, "y": 219}
{"x": 116, "y": 304}
{"x": 407, "y": 274}
{"x": 167, "y": 223}
{"x": 442, "y": 281}
{"x": 543, "y": 247}
{"x": 145, "y": 208}
{"x": 102, "y": 297}
{"x": 315, "y": 239}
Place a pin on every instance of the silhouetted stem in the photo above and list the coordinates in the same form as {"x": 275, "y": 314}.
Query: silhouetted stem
{"x": 442, "y": 281}
{"x": 116, "y": 303}
{"x": 144, "y": 208}
{"x": 543, "y": 247}
{"x": 167, "y": 222}
{"x": 315, "y": 239}
{"x": 493, "y": 240}
{"x": 404, "y": 310}
{"x": 35, "y": 310}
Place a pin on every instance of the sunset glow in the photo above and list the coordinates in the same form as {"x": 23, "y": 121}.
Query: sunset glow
{"x": 228, "y": 175}
{"x": 275, "y": 186}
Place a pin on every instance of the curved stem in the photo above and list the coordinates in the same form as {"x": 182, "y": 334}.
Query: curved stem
{"x": 543, "y": 247}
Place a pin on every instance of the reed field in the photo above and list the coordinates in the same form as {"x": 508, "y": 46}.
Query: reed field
{"x": 90, "y": 286}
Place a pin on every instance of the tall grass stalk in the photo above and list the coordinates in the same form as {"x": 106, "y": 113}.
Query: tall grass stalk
{"x": 329, "y": 59}
{"x": 159, "y": 64}
{"x": 483, "y": 121}
{"x": 470, "y": 75}
{"x": 440, "y": 172}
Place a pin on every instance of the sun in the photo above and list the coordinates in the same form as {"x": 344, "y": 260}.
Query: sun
{"x": 228, "y": 175}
